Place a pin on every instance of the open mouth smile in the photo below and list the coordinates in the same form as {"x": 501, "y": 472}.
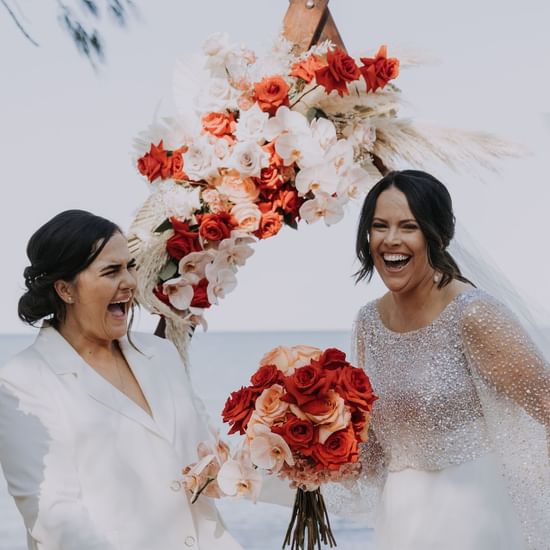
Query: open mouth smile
{"x": 119, "y": 309}
{"x": 395, "y": 262}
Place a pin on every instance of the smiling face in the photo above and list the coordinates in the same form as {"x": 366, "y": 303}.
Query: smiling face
{"x": 397, "y": 245}
{"x": 99, "y": 299}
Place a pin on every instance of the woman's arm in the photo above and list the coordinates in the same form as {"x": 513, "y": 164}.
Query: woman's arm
{"x": 36, "y": 457}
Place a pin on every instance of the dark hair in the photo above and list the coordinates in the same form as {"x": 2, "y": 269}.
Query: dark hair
{"x": 60, "y": 250}
{"x": 432, "y": 207}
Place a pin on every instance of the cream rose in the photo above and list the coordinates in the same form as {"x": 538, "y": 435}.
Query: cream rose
{"x": 247, "y": 215}
{"x": 269, "y": 405}
{"x": 249, "y": 159}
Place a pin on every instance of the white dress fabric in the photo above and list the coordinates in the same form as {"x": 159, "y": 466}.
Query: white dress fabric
{"x": 458, "y": 452}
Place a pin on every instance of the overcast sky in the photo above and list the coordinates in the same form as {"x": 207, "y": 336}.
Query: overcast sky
{"x": 66, "y": 136}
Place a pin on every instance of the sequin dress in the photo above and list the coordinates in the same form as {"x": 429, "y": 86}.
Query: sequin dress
{"x": 457, "y": 456}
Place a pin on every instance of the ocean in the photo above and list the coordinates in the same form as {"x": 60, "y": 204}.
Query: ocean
{"x": 228, "y": 360}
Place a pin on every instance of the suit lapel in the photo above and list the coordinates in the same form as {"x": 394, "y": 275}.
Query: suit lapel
{"x": 64, "y": 359}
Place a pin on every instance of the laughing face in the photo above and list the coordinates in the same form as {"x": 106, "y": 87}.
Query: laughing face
{"x": 397, "y": 245}
{"x": 102, "y": 294}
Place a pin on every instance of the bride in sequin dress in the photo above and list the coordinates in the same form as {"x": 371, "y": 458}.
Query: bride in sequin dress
{"x": 458, "y": 452}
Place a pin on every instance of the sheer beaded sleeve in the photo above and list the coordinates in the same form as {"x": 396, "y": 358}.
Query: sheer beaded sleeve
{"x": 512, "y": 379}
{"x": 360, "y": 497}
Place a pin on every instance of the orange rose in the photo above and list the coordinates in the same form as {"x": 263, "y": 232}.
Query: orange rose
{"x": 270, "y": 178}
{"x": 183, "y": 242}
{"x": 215, "y": 227}
{"x": 379, "y": 70}
{"x": 156, "y": 163}
{"x": 340, "y": 70}
{"x": 271, "y": 93}
{"x": 274, "y": 158}
{"x": 238, "y": 409}
{"x": 219, "y": 124}
{"x": 340, "y": 448}
{"x": 270, "y": 225}
{"x": 307, "y": 383}
{"x": 177, "y": 164}
{"x": 355, "y": 387}
{"x": 305, "y": 69}
{"x": 299, "y": 434}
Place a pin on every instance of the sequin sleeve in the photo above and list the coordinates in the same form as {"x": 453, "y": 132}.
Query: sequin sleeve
{"x": 360, "y": 497}
{"x": 513, "y": 383}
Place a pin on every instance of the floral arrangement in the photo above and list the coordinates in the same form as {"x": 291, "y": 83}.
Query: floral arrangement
{"x": 260, "y": 143}
{"x": 303, "y": 416}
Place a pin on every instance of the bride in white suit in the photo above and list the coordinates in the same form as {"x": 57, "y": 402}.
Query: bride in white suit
{"x": 96, "y": 427}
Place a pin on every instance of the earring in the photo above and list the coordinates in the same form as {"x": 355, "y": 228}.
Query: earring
{"x": 437, "y": 277}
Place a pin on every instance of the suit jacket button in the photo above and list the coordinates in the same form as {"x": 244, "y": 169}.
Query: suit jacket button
{"x": 189, "y": 541}
{"x": 175, "y": 485}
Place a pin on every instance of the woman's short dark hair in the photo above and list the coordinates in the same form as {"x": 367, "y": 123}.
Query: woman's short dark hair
{"x": 432, "y": 207}
{"x": 60, "y": 250}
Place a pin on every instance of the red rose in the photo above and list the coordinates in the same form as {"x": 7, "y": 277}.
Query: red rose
{"x": 270, "y": 225}
{"x": 200, "y": 295}
{"x": 265, "y": 377}
{"x": 333, "y": 359}
{"x": 360, "y": 421}
{"x": 307, "y": 383}
{"x": 177, "y": 164}
{"x": 270, "y": 178}
{"x": 271, "y": 93}
{"x": 340, "y": 448}
{"x": 379, "y": 70}
{"x": 156, "y": 163}
{"x": 299, "y": 434}
{"x": 215, "y": 227}
{"x": 238, "y": 409}
{"x": 355, "y": 387}
{"x": 340, "y": 70}
{"x": 183, "y": 242}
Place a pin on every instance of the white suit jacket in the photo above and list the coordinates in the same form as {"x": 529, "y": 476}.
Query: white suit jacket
{"x": 87, "y": 467}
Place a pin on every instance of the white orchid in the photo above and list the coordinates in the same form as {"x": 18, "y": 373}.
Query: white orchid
{"x": 239, "y": 478}
{"x": 323, "y": 206}
{"x": 354, "y": 184}
{"x": 248, "y": 158}
{"x": 340, "y": 156}
{"x": 361, "y": 134}
{"x": 180, "y": 201}
{"x": 300, "y": 148}
{"x": 220, "y": 282}
{"x": 180, "y": 290}
{"x": 216, "y": 44}
{"x": 231, "y": 255}
{"x": 286, "y": 121}
{"x": 250, "y": 126}
{"x": 321, "y": 178}
{"x": 195, "y": 263}
{"x": 268, "y": 450}
{"x": 324, "y": 132}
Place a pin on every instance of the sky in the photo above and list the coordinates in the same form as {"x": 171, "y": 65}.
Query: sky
{"x": 66, "y": 133}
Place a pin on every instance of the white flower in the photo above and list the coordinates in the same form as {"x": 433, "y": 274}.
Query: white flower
{"x": 362, "y": 134}
{"x": 321, "y": 178}
{"x": 195, "y": 263}
{"x": 216, "y": 44}
{"x": 249, "y": 158}
{"x": 218, "y": 96}
{"x": 179, "y": 201}
{"x": 180, "y": 290}
{"x": 220, "y": 150}
{"x": 220, "y": 282}
{"x": 269, "y": 450}
{"x": 286, "y": 121}
{"x": 340, "y": 155}
{"x": 355, "y": 183}
{"x": 231, "y": 254}
{"x": 250, "y": 126}
{"x": 324, "y": 132}
{"x": 322, "y": 206}
{"x": 236, "y": 478}
{"x": 199, "y": 160}
{"x": 247, "y": 215}
{"x": 299, "y": 148}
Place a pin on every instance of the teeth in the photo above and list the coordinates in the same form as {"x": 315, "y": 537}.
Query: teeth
{"x": 395, "y": 257}
{"x": 121, "y": 302}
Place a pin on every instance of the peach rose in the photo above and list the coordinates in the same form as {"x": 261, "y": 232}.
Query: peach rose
{"x": 247, "y": 215}
{"x": 282, "y": 357}
{"x": 271, "y": 93}
{"x": 235, "y": 188}
{"x": 305, "y": 354}
{"x": 305, "y": 69}
{"x": 219, "y": 124}
{"x": 269, "y": 405}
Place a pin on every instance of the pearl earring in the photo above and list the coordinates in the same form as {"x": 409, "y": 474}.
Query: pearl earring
{"x": 437, "y": 277}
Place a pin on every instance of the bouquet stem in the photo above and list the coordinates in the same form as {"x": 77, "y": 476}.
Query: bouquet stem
{"x": 309, "y": 522}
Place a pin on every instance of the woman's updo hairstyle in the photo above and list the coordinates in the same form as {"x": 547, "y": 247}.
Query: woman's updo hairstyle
{"x": 432, "y": 207}
{"x": 60, "y": 250}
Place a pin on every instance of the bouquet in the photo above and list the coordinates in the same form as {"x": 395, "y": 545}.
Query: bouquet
{"x": 302, "y": 417}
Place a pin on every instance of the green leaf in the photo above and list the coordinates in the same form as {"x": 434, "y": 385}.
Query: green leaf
{"x": 164, "y": 226}
{"x": 169, "y": 271}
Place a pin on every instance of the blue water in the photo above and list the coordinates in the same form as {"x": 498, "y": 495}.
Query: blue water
{"x": 228, "y": 359}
